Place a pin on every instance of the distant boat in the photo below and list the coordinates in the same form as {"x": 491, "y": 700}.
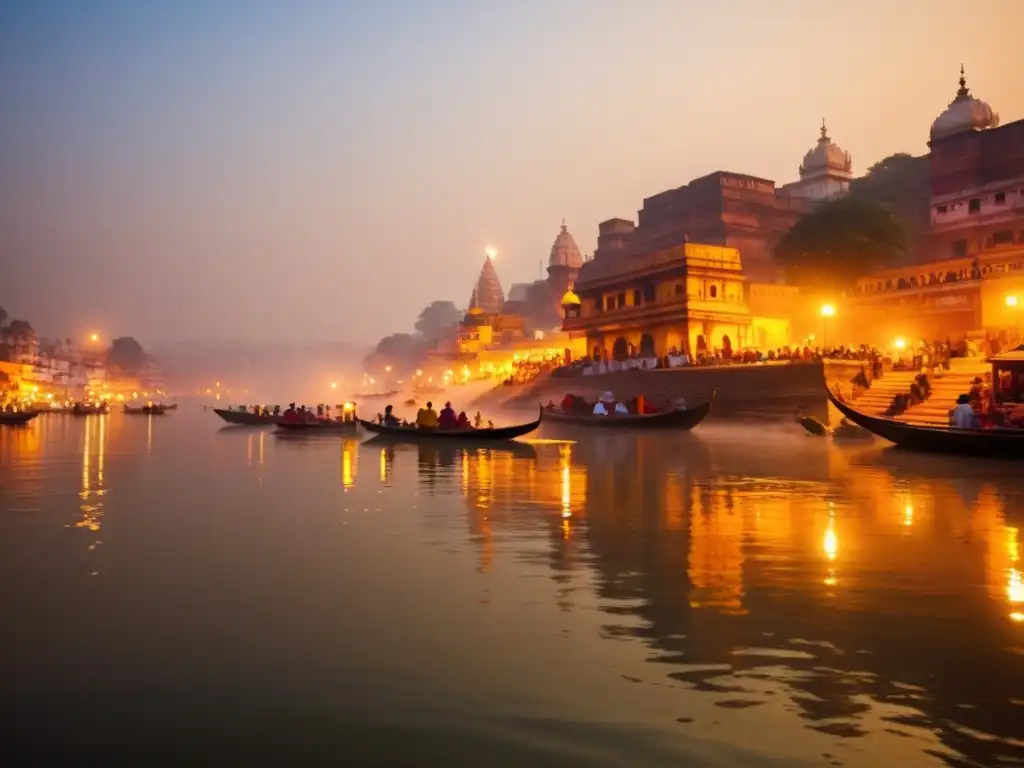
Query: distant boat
{"x": 16, "y": 418}
{"x": 680, "y": 418}
{"x": 89, "y": 409}
{"x": 245, "y": 418}
{"x": 148, "y": 410}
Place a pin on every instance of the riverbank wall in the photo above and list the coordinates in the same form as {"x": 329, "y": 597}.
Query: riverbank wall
{"x": 767, "y": 391}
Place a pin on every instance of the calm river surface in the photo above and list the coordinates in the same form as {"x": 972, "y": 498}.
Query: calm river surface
{"x": 174, "y": 592}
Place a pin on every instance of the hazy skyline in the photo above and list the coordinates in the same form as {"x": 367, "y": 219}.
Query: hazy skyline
{"x": 267, "y": 169}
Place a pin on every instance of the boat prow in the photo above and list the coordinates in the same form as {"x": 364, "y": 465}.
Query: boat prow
{"x": 995, "y": 443}
{"x": 17, "y": 418}
{"x": 245, "y": 418}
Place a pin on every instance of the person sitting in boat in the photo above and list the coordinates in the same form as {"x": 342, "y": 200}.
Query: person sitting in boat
{"x": 567, "y": 403}
{"x": 599, "y": 409}
{"x": 621, "y": 409}
{"x": 426, "y": 417}
{"x": 463, "y": 422}
{"x": 963, "y": 416}
{"x": 448, "y": 419}
{"x": 389, "y": 419}
{"x": 291, "y": 408}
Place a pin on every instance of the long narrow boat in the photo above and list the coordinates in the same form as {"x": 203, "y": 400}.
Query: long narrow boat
{"x": 317, "y": 426}
{"x": 997, "y": 443}
{"x": 681, "y": 418}
{"x": 413, "y": 433}
{"x": 15, "y": 418}
{"x": 88, "y": 409}
{"x": 245, "y": 418}
{"x": 146, "y": 410}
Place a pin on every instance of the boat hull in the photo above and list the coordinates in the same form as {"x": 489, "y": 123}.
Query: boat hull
{"x": 16, "y": 418}
{"x": 317, "y": 428}
{"x": 996, "y": 443}
{"x": 679, "y": 419}
{"x": 414, "y": 434}
{"x": 245, "y": 419}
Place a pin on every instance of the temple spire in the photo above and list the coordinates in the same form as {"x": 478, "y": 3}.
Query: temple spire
{"x": 964, "y": 92}
{"x": 824, "y": 131}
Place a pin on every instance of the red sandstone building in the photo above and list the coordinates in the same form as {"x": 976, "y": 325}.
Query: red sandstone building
{"x": 972, "y": 281}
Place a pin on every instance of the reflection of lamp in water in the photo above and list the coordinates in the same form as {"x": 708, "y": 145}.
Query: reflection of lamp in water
{"x": 908, "y": 515}
{"x": 565, "y": 462}
{"x": 348, "y": 475}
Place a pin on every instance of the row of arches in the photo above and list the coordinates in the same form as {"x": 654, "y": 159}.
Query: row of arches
{"x": 622, "y": 349}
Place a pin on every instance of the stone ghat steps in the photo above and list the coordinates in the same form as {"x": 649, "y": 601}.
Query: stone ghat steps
{"x": 932, "y": 412}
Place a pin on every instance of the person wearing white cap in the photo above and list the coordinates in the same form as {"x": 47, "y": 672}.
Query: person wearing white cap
{"x": 602, "y": 406}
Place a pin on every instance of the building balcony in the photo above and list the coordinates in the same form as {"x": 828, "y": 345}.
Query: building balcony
{"x": 655, "y": 312}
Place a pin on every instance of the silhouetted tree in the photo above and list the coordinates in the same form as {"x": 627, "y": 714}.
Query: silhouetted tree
{"x": 3, "y": 316}
{"x": 437, "y": 318}
{"x": 839, "y": 242}
{"x": 902, "y": 183}
{"x": 404, "y": 351}
{"x": 19, "y": 332}
{"x": 126, "y": 355}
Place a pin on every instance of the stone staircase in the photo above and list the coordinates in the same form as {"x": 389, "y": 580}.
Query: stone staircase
{"x": 934, "y": 411}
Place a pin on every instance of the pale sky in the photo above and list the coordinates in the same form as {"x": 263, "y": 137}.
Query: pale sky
{"x": 322, "y": 170}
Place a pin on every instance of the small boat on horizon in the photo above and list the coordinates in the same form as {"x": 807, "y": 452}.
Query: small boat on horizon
{"x": 148, "y": 410}
{"x": 89, "y": 409}
{"x": 246, "y": 418}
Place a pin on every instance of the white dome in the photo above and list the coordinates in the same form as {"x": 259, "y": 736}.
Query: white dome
{"x": 564, "y": 251}
{"x": 964, "y": 113}
{"x": 825, "y": 158}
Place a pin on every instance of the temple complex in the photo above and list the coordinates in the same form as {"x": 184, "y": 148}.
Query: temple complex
{"x": 691, "y": 298}
{"x": 971, "y": 280}
{"x": 825, "y": 172}
{"x": 487, "y": 293}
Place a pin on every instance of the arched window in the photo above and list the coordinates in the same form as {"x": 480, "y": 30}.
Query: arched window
{"x": 713, "y": 291}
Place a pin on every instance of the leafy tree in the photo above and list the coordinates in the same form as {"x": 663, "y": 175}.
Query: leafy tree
{"x": 127, "y": 356}
{"x": 902, "y": 183}
{"x": 3, "y": 316}
{"x": 437, "y": 318}
{"x": 839, "y": 242}
{"x": 403, "y": 351}
{"x": 19, "y": 332}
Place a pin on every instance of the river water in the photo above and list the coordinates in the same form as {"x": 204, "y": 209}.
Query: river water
{"x": 175, "y": 592}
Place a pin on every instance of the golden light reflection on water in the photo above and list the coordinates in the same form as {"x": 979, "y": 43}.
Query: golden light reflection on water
{"x": 94, "y": 445}
{"x": 348, "y": 462}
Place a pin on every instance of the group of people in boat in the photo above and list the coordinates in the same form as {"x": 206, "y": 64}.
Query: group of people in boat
{"x": 979, "y": 408}
{"x": 428, "y": 418}
{"x": 608, "y": 405}
{"x": 321, "y": 413}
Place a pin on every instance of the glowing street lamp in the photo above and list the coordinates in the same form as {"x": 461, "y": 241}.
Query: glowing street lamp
{"x": 94, "y": 338}
{"x": 1011, "y": 301}
{"x": 827, "y": 311}
{"x": 900, "y": 343}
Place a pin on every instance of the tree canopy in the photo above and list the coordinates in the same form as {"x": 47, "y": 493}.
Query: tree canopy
{"x": 840, "y": 241}
{"x": 436, "y": 318}
{"x": 126, "y": 355}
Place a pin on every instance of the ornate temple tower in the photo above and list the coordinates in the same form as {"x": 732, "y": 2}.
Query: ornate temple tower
{"x": 488, "y": 295}
{"x": 825, "y": 172}
{"x": 564, "y": 263}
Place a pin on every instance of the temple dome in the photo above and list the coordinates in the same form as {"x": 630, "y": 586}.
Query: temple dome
{"x": 564, "y": 251}
{"x": 964, "y": 113}
{"x": 825, "y": 158}
{"x": 570, "y": 299}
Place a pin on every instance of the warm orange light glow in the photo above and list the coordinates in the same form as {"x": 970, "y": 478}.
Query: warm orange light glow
{"x": 1011, "y": 301}
{"x": 827, "y": 310}
{"x": 334, "y": 385}
{"x": 387, "y": 369}
{"x": 491, "y": 251}
{"x": 94, "y": 337}
{"x": 900, "y": 343}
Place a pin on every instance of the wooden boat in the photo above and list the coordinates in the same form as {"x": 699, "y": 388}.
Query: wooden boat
{"x": 998, "y": 443}
{"x": 413, "y": 433}
{"x": 317, "y": 425}
{"x": 147, "y": 410}
{"x": 171, "y": 407}
{"x": 88, "y": 409}
{"x": 246, "y": 418}
{"x": 681, "y": 418}
{"x": 813, "y": 426}
{"x": 16, "y": 418}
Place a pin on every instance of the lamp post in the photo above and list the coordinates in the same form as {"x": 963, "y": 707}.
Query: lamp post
{"x": 827, "y": 311}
